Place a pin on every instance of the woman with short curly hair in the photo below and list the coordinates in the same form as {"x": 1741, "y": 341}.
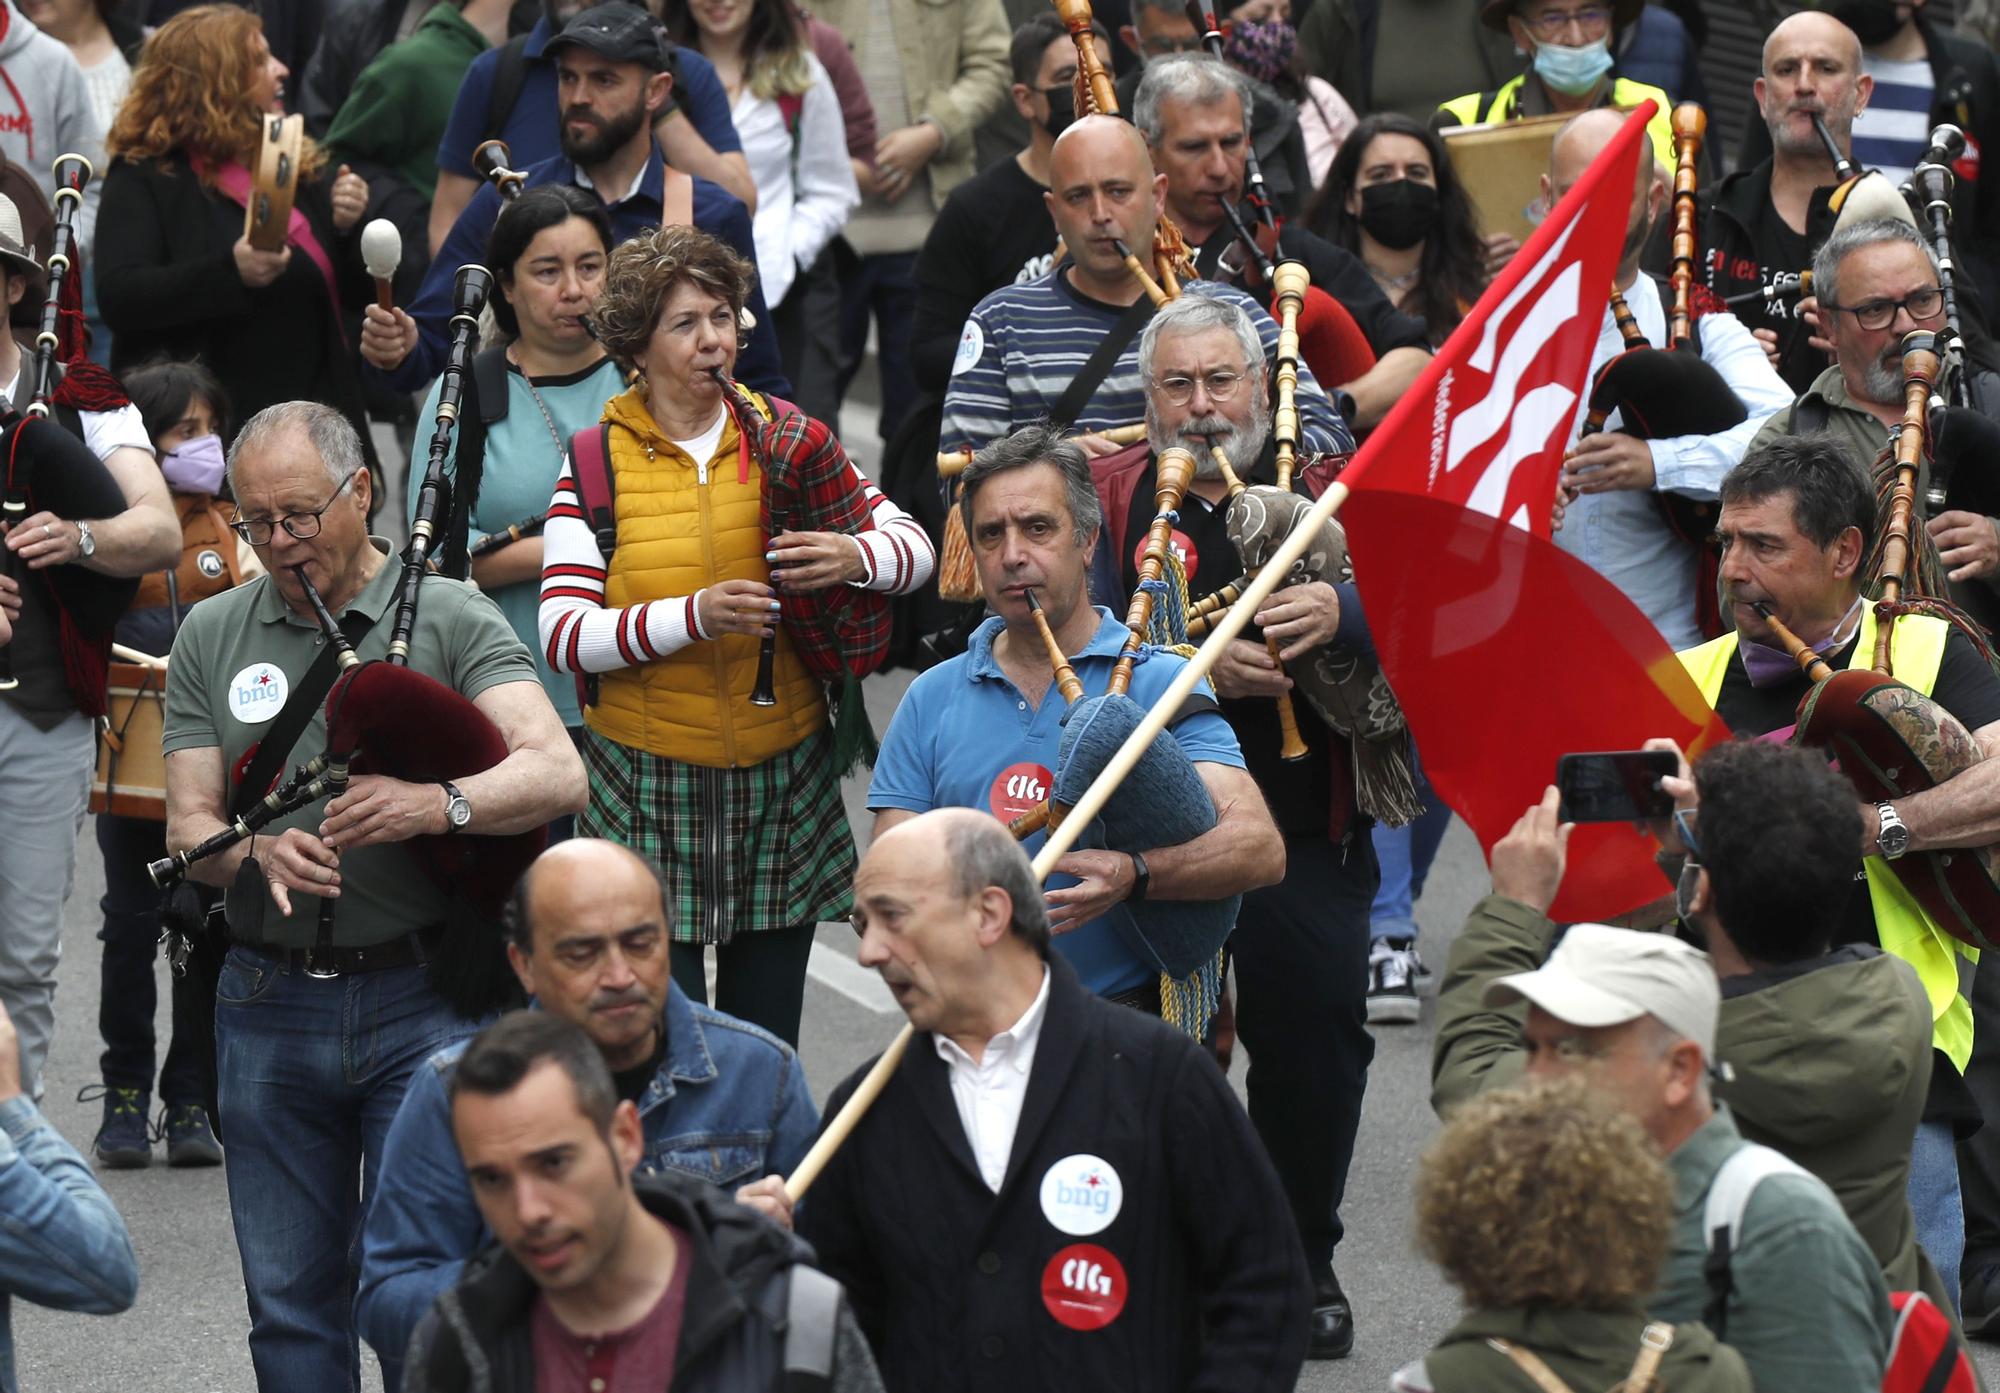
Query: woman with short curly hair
{"x": 1550, "y": 1209}
{"x": 737, "y": 802}
{"x": 176, "y": 277}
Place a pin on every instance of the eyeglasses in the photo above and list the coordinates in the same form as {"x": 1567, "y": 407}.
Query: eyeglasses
{"x": 1548, "y": 24}
{"x": 1159, "y": 45}
{"x": 1179, "y": 391}
{"x": 1684, "y": 829}
{"x": 1922, "y": 303}
{"x": 303, "y": 526}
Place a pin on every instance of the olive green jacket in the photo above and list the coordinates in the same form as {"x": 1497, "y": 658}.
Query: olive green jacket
{"x": 1588, "y": 1350}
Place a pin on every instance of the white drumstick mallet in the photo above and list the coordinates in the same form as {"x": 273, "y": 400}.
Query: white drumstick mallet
{"x": 382, "y": 253}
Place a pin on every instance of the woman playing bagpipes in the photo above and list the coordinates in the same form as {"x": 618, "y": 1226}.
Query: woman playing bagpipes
{"x": 711, "y": 562}
{"x": 176, "y": 275}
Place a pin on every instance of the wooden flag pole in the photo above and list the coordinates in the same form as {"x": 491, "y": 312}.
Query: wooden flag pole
{"x": 1091, "y": 804}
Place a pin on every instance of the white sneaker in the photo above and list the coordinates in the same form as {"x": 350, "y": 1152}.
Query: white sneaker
{"x": 1394, "y": 970}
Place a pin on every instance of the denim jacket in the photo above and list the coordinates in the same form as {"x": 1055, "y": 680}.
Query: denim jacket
{"x": 62, "y": 1243}
{"x": 729, "y": 1105}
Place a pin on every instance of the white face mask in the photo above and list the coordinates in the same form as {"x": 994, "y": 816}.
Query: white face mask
{"x": 1573, "y": 71}
{"x": 195, "y": 466}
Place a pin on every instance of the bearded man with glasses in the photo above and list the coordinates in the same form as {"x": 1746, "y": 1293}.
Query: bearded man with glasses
{"x": 1301, "y": 946}
{"x": 316, "y": 1041}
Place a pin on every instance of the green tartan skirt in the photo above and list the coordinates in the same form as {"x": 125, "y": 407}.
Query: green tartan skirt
{"x": 766, "y": 847}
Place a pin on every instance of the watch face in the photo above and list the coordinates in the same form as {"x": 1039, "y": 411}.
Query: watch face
{"x": 461, "y": 812}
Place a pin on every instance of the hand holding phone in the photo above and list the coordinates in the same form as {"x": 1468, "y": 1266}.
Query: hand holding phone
{"x": 1617, "y": 785}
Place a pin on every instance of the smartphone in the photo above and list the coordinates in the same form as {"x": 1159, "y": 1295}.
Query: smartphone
{"x": 1616, "y": 786}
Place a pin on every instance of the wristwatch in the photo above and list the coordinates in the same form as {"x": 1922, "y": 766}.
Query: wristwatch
{"x": 457, "y": 812}
{"x": 1140, "y": 875}
{"x": 86, "y": 544}
{"x": 1892, "y": 838}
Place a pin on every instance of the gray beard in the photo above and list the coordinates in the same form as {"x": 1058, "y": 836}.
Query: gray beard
{"x": 1241, "y": 445}
{"x": 1883, "y": 384}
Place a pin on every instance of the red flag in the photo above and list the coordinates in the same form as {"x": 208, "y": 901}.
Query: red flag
{"x": 1506, "y": 651}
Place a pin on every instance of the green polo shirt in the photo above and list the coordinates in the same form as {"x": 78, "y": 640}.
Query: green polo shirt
{"x": 236, "y": 660}
{"x": 1852, "y": 423}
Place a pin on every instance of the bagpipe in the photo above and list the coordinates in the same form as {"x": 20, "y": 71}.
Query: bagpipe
{"x": 49, "y": 468}
{"x": 1890, "y": 739}
{"x": 384, "y": 717}
{"x": 1929, "y": 192}
{"x": 489, "y": 162}
{"x": 1328, "y": 336}
{"x": 1164, "y": 802}
{"x": 841, "y": 633}
{"x": 1660, "y": 394}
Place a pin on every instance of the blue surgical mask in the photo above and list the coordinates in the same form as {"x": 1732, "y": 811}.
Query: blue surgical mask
{"x": 195, "y": 466}
{"x": 1573, "y": 71}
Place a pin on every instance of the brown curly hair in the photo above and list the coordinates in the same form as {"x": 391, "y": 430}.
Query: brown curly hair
{"x": 644, "y": 271}
{"x": 1545, "y": 1195}
{"x": 188, "y": 93}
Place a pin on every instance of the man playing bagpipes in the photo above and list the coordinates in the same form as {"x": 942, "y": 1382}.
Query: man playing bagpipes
{"x": 985, "y": 729}
{"x": 1673, "y": 422}
{"x": 1026, "y": 346}
{"x": 1301, "y": 946}
{"x": 1192, "y": 111}
{"x": 316, "y": 1039}
{"x": 1797, "y": 520}
{"x": 88, "y": 513}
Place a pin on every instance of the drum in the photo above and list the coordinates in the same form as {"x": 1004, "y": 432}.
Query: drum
{"x": 131, "y": 777}
{"x": 267, "y": 216}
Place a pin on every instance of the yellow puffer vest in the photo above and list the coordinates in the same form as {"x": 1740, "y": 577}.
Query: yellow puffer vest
{"x": 208, "y": 556}
{"x": 683, "y": 525}
{"x": 1916, "y": 652}
{"x": 1487, "y": 108}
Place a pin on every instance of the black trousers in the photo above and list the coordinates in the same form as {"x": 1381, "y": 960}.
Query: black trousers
{"x": 1301, "y": 956}
{"x": 128, "y": 996}
{"x": 759, "y": 977}
{"x": 808, "y": 324}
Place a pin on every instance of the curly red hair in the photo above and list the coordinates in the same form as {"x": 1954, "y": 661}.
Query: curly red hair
{"x": 188, "y": 94}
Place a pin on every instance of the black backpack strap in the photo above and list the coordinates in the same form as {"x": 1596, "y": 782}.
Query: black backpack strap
{"x": 1810, "y": 413}
{"x": 293, "y": 718}
{"x": 812, "y": 1323}
{"x": 510, "y": 72}
{"x": 1084, "y": 385}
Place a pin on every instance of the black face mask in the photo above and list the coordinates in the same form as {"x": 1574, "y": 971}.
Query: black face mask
{"x": 1062, "y": 108}
{"x": 1873, "y": 21}
{"x": 1400, "y": 213}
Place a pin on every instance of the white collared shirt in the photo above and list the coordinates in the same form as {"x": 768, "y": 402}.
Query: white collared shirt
{"x": 990, "y": 1091}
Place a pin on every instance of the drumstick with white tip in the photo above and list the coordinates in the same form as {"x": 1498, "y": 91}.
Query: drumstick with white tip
{"x": 382, "y": 253}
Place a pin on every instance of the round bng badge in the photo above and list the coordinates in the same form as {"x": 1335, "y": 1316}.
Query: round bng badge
{"x": 1082, "y": 1194}
{"x": 1084, "y": 1287}
{"x": 257, "y": 693}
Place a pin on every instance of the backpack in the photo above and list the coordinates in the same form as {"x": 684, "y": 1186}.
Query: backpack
{"x": 1925, "y": 1355}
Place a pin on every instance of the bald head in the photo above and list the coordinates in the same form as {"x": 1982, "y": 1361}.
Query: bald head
{"x": 574, "y": 875}
{"x": 1580, "y": 141}
{"x": 1812, "y": 31}
{"x": 1094, "y": 145}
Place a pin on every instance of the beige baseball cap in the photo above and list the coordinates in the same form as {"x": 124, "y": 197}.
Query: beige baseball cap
{"x": 1601, "y": 976}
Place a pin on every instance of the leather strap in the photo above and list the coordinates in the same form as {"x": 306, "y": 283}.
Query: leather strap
{"x": 1544, "y": 1377}
{"x": 1654, "y": 1342}
{"x": 1084, "y": 385}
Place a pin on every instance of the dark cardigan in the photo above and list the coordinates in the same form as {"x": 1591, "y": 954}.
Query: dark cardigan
{"x": 167, "y": 286}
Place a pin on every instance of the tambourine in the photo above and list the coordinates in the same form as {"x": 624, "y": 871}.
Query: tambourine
{"x": 267, "y": 216}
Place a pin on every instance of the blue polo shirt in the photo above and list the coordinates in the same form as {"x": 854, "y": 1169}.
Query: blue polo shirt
{"x": 631, "y": 212}
{"x": 965, "y": 737}
{"x": 531, "y": 129}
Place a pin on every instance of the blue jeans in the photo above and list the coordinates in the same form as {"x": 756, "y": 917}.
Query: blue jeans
{"x": 312, "y": 1072}
{"x": 1405, "y": 854}
{"x": 1934, "y": 1200}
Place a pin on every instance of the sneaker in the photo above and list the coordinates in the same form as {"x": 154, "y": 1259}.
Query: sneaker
{"x": 123, "y": 1141}
{"x": 1393, "y": 968}
{"x": 190, "y": 1140}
